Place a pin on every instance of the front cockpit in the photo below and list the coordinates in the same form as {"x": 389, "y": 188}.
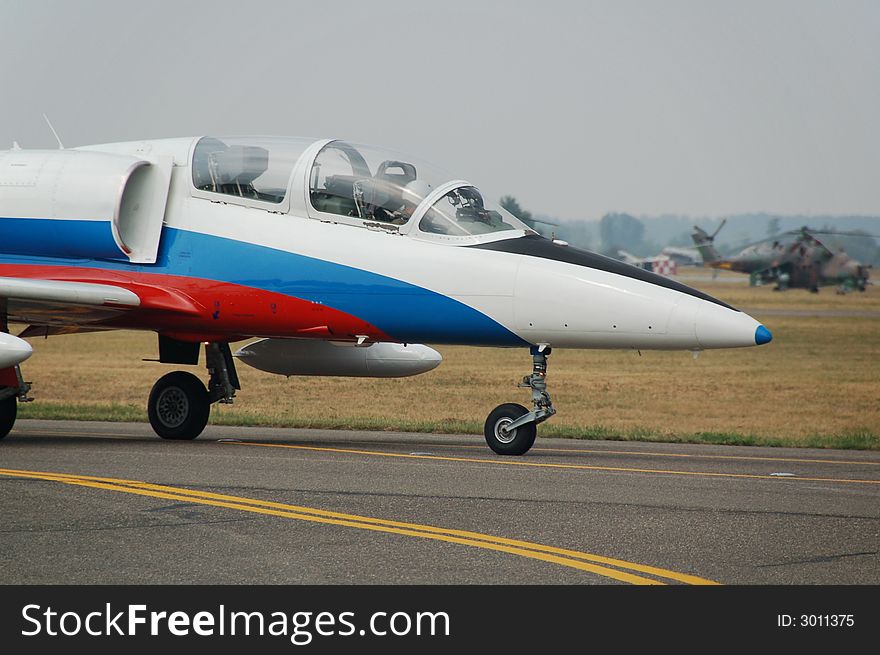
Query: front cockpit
{"x": 384, "y": 188}
{"x": 462, "y": 212}
{"x": 340, "y": 182}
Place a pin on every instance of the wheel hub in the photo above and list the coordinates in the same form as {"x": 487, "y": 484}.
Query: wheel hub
{"x": 172, "y": 407}
{"x": 504, "y": 435}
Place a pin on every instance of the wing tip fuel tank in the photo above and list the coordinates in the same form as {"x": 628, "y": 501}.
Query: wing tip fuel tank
{"x": 13, "y": 351}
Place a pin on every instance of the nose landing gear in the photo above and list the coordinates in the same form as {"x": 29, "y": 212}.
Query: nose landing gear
{"x": 511, "y": 428}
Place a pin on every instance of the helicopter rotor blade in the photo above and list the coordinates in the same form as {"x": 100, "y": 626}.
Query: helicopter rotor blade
{"x": 807, "y": 231}
{"x": 715, "y": 233}
{"x": 844, "y": 234}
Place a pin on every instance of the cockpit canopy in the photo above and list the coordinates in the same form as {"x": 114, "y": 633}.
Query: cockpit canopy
{"x": 349, "y": 183}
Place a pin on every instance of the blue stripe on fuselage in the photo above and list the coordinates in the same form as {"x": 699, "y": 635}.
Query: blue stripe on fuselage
{"x": 58, "y": 238}
{"x": 405, "y": 311}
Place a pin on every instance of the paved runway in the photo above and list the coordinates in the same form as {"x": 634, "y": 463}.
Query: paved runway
{"x": 110, "y": 503}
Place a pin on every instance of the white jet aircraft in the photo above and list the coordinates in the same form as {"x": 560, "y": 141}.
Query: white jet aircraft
{"x": 341, "y": 258}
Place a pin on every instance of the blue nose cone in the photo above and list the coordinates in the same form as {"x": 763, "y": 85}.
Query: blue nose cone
{"x": 762, "y": 335}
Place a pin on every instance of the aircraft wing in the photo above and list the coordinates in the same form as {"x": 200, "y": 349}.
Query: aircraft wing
{"x": 54, "y": 302}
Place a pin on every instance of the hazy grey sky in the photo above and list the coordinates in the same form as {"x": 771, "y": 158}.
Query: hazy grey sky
{"x": 576, "y": 108}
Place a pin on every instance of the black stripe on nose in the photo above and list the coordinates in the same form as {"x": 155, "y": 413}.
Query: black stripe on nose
{"x": 538, "y": 246}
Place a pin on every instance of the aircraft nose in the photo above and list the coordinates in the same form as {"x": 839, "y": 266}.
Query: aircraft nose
{"x": 722, "y": 327}
{"x": 762, "y": 335}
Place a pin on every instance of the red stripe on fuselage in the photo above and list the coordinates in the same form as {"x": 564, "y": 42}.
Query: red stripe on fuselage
{"x": 207, "y": 310}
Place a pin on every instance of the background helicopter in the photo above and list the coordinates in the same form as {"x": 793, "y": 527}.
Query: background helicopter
{"x": 793, "y": 259}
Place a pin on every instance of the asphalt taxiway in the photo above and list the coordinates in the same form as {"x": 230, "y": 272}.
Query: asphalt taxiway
{"x": 111, "y": 503}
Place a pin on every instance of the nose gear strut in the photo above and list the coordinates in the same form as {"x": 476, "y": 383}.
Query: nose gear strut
{"x": 510, "y": 428}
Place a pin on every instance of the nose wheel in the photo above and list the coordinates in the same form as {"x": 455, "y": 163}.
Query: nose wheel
{"x": 511, "y": 428}
{"x": 505, "y": 440}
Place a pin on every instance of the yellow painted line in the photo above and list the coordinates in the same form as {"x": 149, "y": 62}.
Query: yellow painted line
{"x": 581, "y": 467}
{"x": 574, "y": 559}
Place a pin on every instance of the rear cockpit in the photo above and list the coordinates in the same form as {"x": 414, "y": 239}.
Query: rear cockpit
{"x": 251, "y": 168}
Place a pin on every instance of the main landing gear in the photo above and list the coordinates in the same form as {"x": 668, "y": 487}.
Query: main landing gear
{"x": 511, "y": 428}
{"x": 15, "y": 392}
{"x": 180, "y": 404}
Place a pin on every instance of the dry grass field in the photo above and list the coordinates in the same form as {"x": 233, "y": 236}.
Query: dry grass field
{"x": 816, "y": 384}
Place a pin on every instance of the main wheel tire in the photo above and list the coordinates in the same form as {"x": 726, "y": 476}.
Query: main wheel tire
{"x": 515, "y": 442}
{"x": 179, "y": 406}
{"x": 8, "y": 412}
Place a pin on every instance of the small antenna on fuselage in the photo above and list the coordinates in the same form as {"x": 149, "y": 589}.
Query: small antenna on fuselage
{"x": 57, "y": 138}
